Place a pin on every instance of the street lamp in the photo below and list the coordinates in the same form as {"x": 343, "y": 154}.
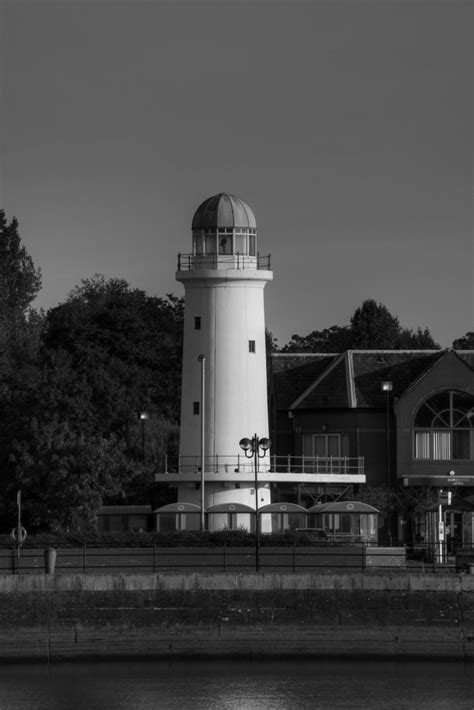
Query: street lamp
{"x": 387, "y": 387}
{"x": 202, "y": 360}
{"x": 255, "y": 448}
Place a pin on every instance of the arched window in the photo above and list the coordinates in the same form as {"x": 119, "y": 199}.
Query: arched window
{"x": 444, "y": 427}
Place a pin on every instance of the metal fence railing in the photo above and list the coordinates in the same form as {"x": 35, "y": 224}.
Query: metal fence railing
{"x": 341, "y": 465}
{"x": 355, "y": 557}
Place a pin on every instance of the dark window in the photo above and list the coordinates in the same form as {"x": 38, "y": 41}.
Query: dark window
{"x": 197, "y": 323}
{"x": 195, "y": 407}
{"x": 251, "y": 346}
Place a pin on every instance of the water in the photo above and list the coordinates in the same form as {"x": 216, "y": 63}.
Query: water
{"x": 238, "y": 685}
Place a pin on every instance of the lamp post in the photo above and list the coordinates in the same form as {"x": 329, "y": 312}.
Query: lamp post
{"x": 143, "y": 418}
{"x": 387, "y": 387}
{"x": 255, "y": 448}
{"x": 202, "y": 360}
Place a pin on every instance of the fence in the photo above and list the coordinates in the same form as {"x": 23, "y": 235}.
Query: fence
{"x": 294, "y": 558}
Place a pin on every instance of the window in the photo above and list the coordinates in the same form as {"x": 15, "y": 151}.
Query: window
{"x": 195, "y": 407}
{"x": 252, "y": 244}
{"x": 322, "y": 453}
{"x": 225, "y": 244}
{"x": 197, "y": 323}
{"x": 444, "y": 427}
{"x": 326, "y": 445}
{"x": 251, "y": 346}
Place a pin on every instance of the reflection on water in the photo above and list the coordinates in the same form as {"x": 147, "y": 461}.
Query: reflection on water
{"x": 238, "y": 685}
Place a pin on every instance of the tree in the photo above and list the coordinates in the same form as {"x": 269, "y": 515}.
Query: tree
{"x": 126, "y": 345}
{"x": 20, "y": 281}
{"x": 65, "y": 475}
{"x": 464, "y": 343}
{"x": 331, "y": 340}
{"x": 372, "y": 327}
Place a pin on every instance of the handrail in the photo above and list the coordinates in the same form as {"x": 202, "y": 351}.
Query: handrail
{"x": 340, "y": 465}
{"x": 199, "y": 262}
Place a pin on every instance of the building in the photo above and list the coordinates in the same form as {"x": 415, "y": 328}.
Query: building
{"x": 224, "y": 382}
{"x": 407, "y": 416}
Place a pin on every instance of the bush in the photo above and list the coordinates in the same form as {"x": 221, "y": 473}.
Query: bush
{"x": 186, "y": 538}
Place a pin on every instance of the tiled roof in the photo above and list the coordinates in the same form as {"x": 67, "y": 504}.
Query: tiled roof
{"x": 293, "y": 374}
{"x": 401, "y": 367}
{"x": 310, "y": 378}
{"x": 331, "y": 391}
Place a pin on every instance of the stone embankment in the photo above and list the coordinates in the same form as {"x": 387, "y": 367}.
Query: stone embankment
{"x": 398, "y": 615}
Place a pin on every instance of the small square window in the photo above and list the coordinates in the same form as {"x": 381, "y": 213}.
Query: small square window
{"x": 251, "y": 346}
{"x": 195, "y": 407}
{"x": 197, "y": 323}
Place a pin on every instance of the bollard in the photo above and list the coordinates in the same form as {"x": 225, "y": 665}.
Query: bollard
{"x": 49, "y": 560}
{"x": 470, "y": 569}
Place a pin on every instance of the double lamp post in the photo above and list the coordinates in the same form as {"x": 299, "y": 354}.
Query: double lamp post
{"x": 255, "y": 448}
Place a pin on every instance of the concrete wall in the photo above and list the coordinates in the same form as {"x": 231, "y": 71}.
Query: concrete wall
{"x": 48, "y": 617}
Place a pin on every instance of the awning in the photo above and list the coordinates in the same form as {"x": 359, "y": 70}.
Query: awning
{"x": 179, "y": 508}
{"x": 282, "y": 508}
{"x": 343, "y": 506}
{"x": 230, "y": 508}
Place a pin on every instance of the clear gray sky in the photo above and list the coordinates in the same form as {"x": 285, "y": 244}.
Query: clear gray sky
{"x": 346, "y": 126}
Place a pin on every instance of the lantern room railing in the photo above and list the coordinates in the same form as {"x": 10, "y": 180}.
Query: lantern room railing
{"x": 194, "y": 262}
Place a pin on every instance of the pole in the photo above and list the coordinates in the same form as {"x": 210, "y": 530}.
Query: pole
{"x": 18, "y": 531}
{"x": 388, "y": 468}
{"x": 202, "y": 360}
{"x": 255, "y": 444}
{"x": 440, "y": 533}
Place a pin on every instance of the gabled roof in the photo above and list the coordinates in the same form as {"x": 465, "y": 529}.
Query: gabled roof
{"x": 352, "y": 379}
{"x": 292, "y": 374}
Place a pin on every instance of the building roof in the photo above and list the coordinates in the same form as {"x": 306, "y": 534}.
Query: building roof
{"x": 352, "y": 379}
{"x": 293, "y": 374}
{"x": 223, "y": 210}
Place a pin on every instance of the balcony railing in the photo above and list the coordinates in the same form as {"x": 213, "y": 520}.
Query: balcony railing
{"x": 340, "y": 465}
{"x": 199, "y": 262}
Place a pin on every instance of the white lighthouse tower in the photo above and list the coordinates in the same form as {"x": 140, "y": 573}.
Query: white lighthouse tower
{"x": 224, "y": 361}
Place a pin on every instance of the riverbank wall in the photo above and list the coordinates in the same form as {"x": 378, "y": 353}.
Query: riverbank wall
{"x": 84, "y": 616}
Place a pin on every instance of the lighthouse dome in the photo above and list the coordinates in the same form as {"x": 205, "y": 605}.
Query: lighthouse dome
{"x": 224, "y": 211}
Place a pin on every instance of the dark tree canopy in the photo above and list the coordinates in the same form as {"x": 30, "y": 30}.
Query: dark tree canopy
{"x": 371, "y": 327}
{"x": 71, "y": 435}
{"x": 464, "y": 343}
{"x": 20, "y": 281}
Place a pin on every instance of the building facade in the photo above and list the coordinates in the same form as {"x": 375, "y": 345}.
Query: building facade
{"x": 407, "y": 415}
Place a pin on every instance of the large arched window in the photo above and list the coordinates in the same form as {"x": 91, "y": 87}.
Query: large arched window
{"x": 444, "y": 427}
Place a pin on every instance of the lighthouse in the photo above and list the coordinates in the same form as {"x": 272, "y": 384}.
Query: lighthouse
{"x": 224, "y": 378}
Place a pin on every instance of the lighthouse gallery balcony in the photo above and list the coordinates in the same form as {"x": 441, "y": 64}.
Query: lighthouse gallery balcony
{"x": 201, "y": 262}
{"x": 277, "y": 469}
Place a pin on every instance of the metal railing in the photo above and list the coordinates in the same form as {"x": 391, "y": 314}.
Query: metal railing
{"x": 194, "y": 262}
{"x": 277, "y": 464}
{"x": 327, "y": 556}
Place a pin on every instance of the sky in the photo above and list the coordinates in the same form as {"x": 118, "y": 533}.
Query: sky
{"x": 347, "y": 126}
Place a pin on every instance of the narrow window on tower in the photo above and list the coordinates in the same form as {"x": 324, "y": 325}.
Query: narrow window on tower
{"x": 197, "y": 323}
{"x": 251, "y": 346}
{"x": 195, "y": 407}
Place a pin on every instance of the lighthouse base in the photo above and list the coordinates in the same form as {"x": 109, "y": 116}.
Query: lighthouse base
{"x": 229, "y": 503}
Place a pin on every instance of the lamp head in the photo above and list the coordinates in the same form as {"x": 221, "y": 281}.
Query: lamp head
{"x": 387, "y": 386}
{"x": 265, "y": 443}
{"x": 143, "y": 415}
{"x": 245, "y": 444}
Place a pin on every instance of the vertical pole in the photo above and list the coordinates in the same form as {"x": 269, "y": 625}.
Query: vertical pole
{"x": 18, "y": 531}
{"x": 389, "y": 530}
{"x": 255, "y": 444}
{"x": 202, "y": 360}
{"x": 440, "y": 534}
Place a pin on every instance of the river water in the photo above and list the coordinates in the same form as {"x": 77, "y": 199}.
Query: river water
{"x": 238, "y": 685}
